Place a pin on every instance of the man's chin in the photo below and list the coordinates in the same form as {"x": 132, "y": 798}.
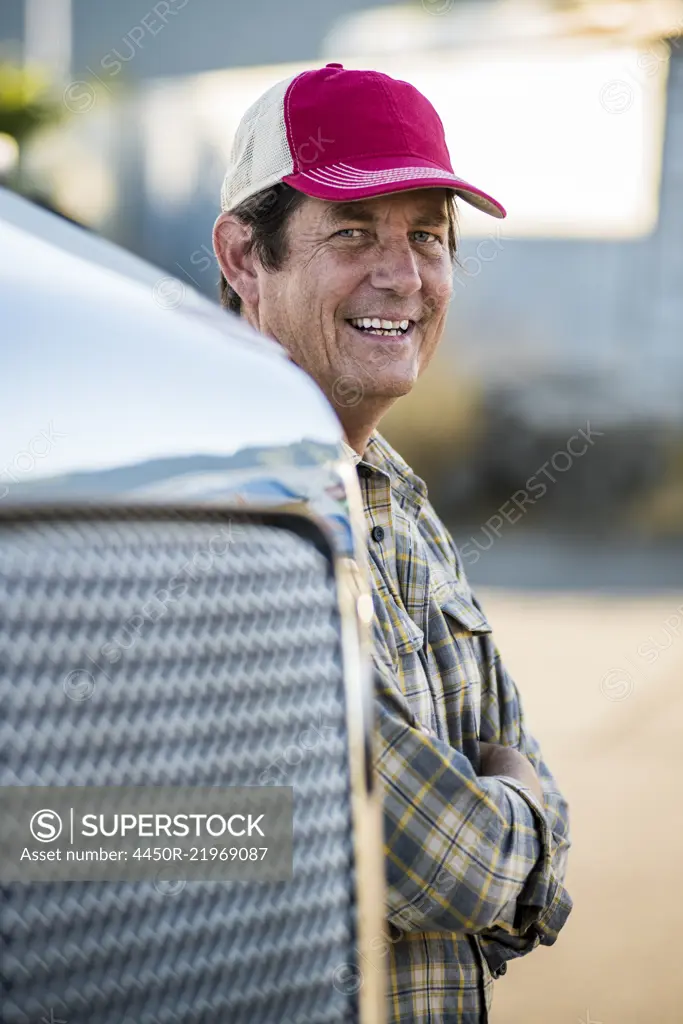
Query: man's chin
{"x": 356, "y": 385}
{"x": 397, "y": 387}
{"x": 388, "y": 385}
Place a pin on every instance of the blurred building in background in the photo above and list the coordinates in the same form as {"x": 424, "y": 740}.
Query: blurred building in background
{"x": 567, "y": 315}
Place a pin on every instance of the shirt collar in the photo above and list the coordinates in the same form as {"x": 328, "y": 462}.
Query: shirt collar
{"x": 351, "y": 453}
{"x": 381, "y": 456}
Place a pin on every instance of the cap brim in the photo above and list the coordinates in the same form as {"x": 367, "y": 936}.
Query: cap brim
{"x": 364, "y": 178}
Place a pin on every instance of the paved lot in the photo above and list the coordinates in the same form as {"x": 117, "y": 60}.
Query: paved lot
{"x": 610, "y": 719}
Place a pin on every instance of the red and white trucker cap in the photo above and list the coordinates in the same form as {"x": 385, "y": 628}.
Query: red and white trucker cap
{"x": 338, "y": 134}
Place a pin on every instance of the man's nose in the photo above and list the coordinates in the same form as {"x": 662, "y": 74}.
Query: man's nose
{"x": 396, "y": 270}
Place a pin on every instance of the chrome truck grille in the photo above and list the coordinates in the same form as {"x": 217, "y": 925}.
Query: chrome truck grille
{"x": 148, "y": 648}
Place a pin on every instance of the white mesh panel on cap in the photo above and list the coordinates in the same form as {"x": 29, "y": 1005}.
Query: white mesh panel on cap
{"x": 260, "y": 154}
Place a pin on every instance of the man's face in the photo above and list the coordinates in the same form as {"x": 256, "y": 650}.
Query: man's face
{"x": 350, "y": 268}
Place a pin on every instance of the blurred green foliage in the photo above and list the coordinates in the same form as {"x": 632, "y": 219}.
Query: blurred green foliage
{"x": 27, "y": 102}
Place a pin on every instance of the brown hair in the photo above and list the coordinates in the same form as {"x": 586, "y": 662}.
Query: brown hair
{"x": 268, "y": 213}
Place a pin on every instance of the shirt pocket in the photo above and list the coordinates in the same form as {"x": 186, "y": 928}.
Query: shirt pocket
{"x": 395, "y": 629}
{"x": 460, "y": 621}
{"x": 457, "y": 604}
{"x": 403, "y": 641}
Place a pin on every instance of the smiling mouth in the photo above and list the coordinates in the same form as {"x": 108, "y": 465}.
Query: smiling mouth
{"x": 380, "y": 327}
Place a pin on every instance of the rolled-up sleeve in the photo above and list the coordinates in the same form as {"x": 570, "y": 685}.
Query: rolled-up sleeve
{"x": 464, "y": 853}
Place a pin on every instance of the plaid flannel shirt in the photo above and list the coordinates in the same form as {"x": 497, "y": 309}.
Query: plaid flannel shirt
{"x": 474, "y": 864}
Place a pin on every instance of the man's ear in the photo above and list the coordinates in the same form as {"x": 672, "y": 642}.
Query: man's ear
{"x": 231, "y": 243}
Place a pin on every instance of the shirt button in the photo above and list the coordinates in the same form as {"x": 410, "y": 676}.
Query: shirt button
{"x": 377, "y": 533}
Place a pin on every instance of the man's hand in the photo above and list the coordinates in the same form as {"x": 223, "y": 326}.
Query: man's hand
{"x": 498, "y": 760}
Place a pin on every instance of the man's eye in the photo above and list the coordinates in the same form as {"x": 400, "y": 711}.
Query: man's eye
{"x": 349, "y": 232}
{"x": 425, "y": 236}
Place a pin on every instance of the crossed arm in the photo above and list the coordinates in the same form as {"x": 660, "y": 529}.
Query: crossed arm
{"x": 478, "y": 852}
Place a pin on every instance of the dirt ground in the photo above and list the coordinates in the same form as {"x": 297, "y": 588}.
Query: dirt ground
{"x": 602, "y": 684}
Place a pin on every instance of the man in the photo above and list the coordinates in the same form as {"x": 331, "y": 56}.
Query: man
{"x": 337, "y": 238}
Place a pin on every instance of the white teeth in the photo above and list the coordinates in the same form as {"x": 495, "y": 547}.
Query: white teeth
{"x": 378, "y": 326}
